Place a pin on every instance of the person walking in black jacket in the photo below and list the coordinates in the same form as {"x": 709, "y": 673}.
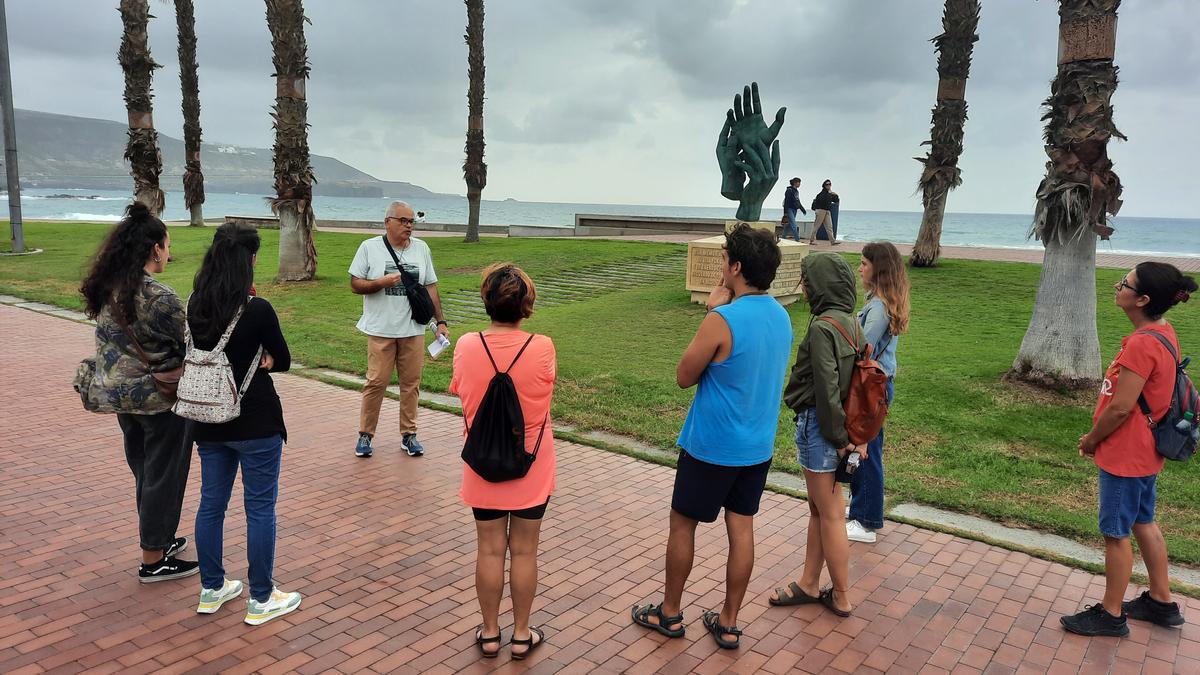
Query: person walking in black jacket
{"x": 821, "y": 206}
{"x": 253, "y": 440}
{"x": 791, "y": 204}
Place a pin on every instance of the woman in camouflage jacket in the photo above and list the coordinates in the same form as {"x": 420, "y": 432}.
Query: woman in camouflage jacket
{"x": 139, "y": 332}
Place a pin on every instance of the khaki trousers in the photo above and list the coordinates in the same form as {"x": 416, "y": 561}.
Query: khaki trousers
{"x": 404, "y": 356}
{"x": 821, "y": 218}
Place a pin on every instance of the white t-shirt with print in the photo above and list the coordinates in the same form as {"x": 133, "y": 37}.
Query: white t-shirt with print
{"x": 386, "y": 313}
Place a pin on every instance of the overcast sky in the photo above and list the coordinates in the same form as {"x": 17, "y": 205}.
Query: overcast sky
{"x": 621, "y": 101}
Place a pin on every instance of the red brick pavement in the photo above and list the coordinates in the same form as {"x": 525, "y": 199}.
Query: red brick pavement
{"x": 384, "y": 553}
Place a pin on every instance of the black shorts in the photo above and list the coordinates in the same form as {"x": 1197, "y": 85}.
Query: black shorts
{"x": 701, "y": 489}
{"x": 531, "y": 513}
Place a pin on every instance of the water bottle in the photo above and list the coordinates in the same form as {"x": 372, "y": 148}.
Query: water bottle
{"x": 852, "y": 462}
{"x": 1184, "y": 426}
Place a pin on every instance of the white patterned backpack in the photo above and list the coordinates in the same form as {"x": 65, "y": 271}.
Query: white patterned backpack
{"x": 207, "y": 390}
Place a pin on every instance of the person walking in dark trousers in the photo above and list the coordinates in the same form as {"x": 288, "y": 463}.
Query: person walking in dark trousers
{"x": 791, "y": 204}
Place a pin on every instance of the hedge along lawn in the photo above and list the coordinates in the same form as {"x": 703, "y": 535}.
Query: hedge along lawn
{"x": 957, "y": 437}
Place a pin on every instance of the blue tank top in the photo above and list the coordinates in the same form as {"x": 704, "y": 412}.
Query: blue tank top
{"x": 734, "y": 416}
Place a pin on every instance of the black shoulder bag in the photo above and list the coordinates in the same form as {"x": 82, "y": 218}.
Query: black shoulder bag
{"x": 418, "y": 296}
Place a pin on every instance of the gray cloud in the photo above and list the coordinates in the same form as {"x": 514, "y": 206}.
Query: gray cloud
{"x": 621, "y": 100}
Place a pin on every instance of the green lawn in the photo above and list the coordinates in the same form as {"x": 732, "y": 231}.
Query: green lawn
{"x": 957, "y": 437}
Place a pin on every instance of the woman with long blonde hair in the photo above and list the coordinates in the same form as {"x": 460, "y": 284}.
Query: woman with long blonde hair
{"x": 884, "y": 317}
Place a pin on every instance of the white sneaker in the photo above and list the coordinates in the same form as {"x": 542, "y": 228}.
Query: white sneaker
{"x": 856, "y": 532}
{"x": 277, "y": 605}
{"x": 212, "y": 599}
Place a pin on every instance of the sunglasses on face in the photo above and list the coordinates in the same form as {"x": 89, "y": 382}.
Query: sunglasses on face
{"x": 403, "y": 221}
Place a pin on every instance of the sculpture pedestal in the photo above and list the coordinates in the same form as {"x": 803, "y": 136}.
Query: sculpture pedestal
{"x": 704, "y": 269}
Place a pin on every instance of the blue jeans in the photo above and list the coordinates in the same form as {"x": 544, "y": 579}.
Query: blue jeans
{"x": 259, "y": 459}
{"x": 866, "y": 485}
{"x": 791, "y": 225}
{"x": 1125, "y": 502}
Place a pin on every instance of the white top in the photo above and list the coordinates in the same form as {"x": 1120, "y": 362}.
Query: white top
{"x": 386, "y": 313}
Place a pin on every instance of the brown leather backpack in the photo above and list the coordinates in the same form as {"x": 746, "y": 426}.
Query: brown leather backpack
{"x": 866, "y": 404}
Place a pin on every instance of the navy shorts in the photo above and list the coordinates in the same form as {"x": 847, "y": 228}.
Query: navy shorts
{"x": 701, "y": 489}
{"x": 1124, "y": 502}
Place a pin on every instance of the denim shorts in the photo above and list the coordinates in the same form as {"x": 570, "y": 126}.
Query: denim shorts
{"x": 1124, "y": 502}
{"x": 812, "y": 450}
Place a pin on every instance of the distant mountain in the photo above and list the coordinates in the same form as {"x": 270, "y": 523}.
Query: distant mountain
{"x": 62, "y": 151}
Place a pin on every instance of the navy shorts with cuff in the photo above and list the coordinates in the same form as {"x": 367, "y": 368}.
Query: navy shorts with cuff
{"x": 702, "y": 489}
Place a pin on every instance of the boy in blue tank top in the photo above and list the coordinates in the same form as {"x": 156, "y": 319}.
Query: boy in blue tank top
{"x": 738, "y": 360}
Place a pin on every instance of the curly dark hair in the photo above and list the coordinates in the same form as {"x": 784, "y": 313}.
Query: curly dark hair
{"x": 118, "y": 268}
{"x": 223, "y": 282}
{"x": 757, "y": 251}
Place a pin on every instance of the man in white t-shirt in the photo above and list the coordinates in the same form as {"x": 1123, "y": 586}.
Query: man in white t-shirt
{"x": 395, "y": 342}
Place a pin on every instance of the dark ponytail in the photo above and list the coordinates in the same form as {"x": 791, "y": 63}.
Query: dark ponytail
{"x": 118, "y": 268}
{"x": 223, "y": 282}
{"x": 1165, "y": 285}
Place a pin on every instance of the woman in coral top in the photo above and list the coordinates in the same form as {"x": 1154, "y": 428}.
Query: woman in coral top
{"x": 508, "y": 515}
{"x": 1122, "y": 445}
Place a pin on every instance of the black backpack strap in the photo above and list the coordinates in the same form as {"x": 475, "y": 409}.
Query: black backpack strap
{"x": 514, "y": 361}
{"x": 1174, "y": 355}
{"x": 537, "y": 446}
{"x": 489, "y": 353}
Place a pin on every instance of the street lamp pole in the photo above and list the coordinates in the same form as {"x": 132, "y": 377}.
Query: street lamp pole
{"x": 10, "y": 140}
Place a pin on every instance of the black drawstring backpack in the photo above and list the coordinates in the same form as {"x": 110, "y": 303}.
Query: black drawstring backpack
{"x": 495, "y": 446}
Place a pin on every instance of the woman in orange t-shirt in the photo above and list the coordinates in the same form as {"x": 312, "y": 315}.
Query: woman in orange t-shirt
{"x": 1122, "y": 445}
{"x": 508, "y": 515}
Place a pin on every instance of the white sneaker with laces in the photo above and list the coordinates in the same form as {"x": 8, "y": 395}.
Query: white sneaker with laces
{"x": 277, "y": 605}
{"x": 211, "y": 599}
{"x": 856, "y": 532}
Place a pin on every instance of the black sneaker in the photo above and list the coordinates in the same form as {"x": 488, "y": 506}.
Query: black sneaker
{"x": 1146, "y": 608}
{"x": 176, "y": 548}
{"x": 1095, "y": 620}
{"x": 166, "y": 569}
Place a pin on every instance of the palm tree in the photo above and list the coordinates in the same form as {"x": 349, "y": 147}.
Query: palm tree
{"x": 1080, "y": 188}
{"x": 959, "y": 21}
{"x": 145, "y": 160}
{"x": 474, "y": 170}
{"x": 293, "y": 173}
{"x": 189, "y": 82}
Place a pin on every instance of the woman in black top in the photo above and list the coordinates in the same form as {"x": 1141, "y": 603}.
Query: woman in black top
{"x": 254, "y": 440}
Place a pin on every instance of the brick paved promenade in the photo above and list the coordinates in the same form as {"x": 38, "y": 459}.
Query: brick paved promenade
{"x": 383, "y": 553}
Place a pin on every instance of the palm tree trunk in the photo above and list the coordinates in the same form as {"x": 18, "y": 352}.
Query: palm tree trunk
{"x": 960, "y": 19}
{"x": 474, "y": 169}
{"x": 1074, "y": 199}
{"x": 293, "y": 173}
{"x": 1058, "y": 349}
{"x": 189, "y": 83}
{"x": 141, "y": 151}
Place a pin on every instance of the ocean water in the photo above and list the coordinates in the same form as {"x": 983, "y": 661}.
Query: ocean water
{"x": 1146, "y": 236}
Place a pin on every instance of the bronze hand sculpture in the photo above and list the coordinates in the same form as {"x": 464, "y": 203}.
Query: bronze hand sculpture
{"x": 747, "y": 147}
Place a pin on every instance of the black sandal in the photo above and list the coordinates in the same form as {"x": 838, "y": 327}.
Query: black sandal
{"x": 528, "y": 643}
{"x": 827, "y": 600}
{"x": 480, "y": 641}
{"x": 712, "y": 621}
{"x": 641, "y": 616}
{"x": 792, "y": 595}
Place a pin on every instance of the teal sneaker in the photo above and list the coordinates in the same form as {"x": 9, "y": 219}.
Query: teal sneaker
{"x": 211, "y": 599}
{"x": 277, "y": 605}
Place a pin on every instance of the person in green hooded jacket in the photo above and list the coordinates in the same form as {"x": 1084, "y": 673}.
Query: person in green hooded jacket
{"x": 819, "y": 382}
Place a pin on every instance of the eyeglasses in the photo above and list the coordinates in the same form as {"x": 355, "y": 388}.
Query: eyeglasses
{"x": 1125, "y": 284}
{"x": 403, "y": 221}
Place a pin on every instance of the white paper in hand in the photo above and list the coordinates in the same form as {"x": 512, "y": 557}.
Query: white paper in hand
{"x": 438, "y": 346}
